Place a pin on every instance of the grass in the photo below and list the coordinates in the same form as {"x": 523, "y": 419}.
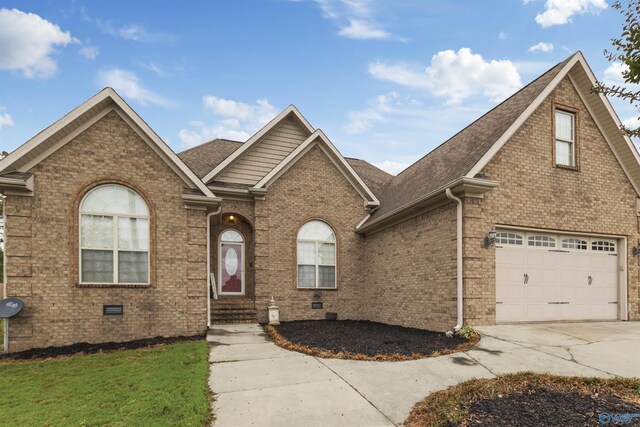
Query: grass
{"x": 159, "y": 386}
{"x": 447, "y": 407}
{"x": 283, "y": 342}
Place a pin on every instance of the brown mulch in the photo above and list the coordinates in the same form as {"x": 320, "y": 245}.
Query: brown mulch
{"x": 87, "y": 348}
{"x": 528, "y": 399}
{"x": 364, "y": 340}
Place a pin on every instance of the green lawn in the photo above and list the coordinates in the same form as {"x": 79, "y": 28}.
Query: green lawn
{"x": 161, "y": 386}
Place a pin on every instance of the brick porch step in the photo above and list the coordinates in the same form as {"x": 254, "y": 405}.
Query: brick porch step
{"x": 233, "y": 311}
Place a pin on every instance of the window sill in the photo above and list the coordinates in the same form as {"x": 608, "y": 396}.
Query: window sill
{"x": 113, "y": 285}
{"x": 567, "y": 167}
{"x": 317, "y": 289}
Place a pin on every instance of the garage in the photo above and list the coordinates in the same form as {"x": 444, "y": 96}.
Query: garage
{"x": 542, "y": 276}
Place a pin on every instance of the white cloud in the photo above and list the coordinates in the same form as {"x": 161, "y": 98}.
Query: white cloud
{"x": 559, "y": 12}
{"x": 89, "y": 52}
{"x": 455, "y": 76}
{"x": 541, "y": 47}
{"x": 613, "y": 74}
{"x": 363, "y": 30}
{"x": 631, "y": 122}
{"x": 128, "y": 85}
{"x": 133, "y": 32}
{"x": 392, "y": 167}
{"x": 234, "y": 120}
{"x": 502, "y": 35}
{"x": 27, "y": 43}
{"x": 5, "y": 118}
{"x": 390, "y": 104}
{"x": 355, "y": 18}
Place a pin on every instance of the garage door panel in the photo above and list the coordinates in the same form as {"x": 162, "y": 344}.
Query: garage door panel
{"x": 558, "y": 283}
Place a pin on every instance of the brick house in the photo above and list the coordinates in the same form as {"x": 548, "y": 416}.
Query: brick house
{"x": 528, "y": 214}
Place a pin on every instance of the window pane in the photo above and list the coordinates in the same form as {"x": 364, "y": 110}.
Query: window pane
{"x": 96, "y": 231}
{"x": 97, "y": 266}
{"x": 306, "y": 253}
{"x": 114, "y": 199}
{"x": 564, "y": 126}
{"x": 133, "y": 233}
{"x": 327, "y": 254}
{"x": 231, "y": 236}
{"x": 564, "y": 153}
{"x": 316, "y": 230}
{"x": 327, "y": 277}
{"x": 306, "y": 276}
{"x": 132, "y": 267}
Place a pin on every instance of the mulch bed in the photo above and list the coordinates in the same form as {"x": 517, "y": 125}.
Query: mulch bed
{"x": 364, "y": 340}
{"x": 528, "y": 399}
{"x": 86, "y": 348}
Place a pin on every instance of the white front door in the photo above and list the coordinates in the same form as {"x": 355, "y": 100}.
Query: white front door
{"x": 231, "y": 263}
{"x": 546, "y": 277}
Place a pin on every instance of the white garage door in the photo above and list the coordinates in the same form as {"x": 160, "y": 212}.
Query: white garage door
{"x": 545, "y": 277}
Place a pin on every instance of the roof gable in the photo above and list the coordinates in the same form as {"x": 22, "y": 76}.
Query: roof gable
{"x": 75, "y": 122}
{"x": 459, "y": 154}
{"x": 271, "y": 144}
{"x": 258, "y": 160}
{"x": 469, "y": 151}
{"x": 318, "y": 138}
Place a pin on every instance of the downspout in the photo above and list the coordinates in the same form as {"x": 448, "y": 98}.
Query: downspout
{"x": 458, "y": 258}
{"x": 209, "y": 215}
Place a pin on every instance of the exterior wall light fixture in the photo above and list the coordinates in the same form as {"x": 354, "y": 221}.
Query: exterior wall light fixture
{"x": 636, "y": 249}
{"x": 490, "y": 238}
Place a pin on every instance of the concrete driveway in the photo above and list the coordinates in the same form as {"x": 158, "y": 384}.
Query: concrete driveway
{"x": 257, "y": 383}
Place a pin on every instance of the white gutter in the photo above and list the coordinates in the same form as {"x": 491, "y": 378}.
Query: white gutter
{"x": 209, "y": 215}
{"x": 458, "y": 258}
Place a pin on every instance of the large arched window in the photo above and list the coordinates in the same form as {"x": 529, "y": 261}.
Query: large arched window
{"x": 114, "y": 236}
{"x": 316, "y": 256}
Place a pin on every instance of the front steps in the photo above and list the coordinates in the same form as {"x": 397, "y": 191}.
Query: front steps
{"x": 233, "y": 310}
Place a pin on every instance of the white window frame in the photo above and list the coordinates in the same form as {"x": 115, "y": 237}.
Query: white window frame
{"x": 572, "y": 141}
{"x": 545, "y": 241}
{"x": 604, "y": 243}
{"x": 509, "y": 237}
{"x": 317, "y": 263}
{"x": 574, "y": 243}
{"x": 114, "y": 249}
{"x": 221, "y": 241}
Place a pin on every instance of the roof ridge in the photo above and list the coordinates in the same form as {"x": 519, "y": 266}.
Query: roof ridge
{"x": 487, "y": 113}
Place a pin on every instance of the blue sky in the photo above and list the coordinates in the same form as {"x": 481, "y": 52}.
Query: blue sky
{"x": 386, "y": 80}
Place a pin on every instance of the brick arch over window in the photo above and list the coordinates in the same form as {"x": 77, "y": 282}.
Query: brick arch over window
{"x": 74, "y": 232}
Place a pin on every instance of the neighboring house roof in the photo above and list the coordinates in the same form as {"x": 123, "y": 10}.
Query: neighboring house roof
{"x": 205, "y": 157}
{"x": 468, "y": 152}
{"x": 78, "y": 120}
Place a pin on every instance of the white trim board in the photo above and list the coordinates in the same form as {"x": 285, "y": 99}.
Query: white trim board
{"x": 290, "y": 110}
{"x": 319, "y": 138}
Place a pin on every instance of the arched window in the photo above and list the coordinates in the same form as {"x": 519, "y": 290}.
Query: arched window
{"x": 114, "y": 236}
{"x": 316, "y": 256}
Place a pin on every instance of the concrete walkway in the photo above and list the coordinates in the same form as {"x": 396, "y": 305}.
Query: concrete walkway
{"x": 257, "y": 383}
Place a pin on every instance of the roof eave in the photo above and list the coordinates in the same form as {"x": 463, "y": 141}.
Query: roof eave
{"x": 463, "y": 186}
